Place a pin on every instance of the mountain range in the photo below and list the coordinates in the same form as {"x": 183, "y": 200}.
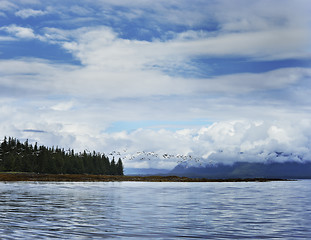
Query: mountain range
{"x": 289, "y": 170}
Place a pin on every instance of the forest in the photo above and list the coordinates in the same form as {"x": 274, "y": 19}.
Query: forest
{"x": 16, "y": 156}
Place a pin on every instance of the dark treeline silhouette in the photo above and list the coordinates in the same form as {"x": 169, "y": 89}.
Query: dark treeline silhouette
{"x": 24, "y": 157}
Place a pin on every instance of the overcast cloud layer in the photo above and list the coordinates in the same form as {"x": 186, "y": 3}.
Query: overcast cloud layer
{"x": 159, "y": 82}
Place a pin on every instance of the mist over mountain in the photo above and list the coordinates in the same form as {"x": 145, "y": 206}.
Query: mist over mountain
{"x": 289, "y": 170}
{"x": 274, "y": 165}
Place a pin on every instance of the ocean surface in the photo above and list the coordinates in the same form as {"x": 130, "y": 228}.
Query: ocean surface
{"x": 145, "y": 210}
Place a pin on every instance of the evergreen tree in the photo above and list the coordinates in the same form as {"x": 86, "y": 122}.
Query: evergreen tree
{"x": 119, "y": 167}
{"x": 106, "y": 165}
{"x": 18, "y": 156}
{"x": 113, "y": 169}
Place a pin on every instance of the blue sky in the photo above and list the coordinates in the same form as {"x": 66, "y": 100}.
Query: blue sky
{"x": 170, "y": 77}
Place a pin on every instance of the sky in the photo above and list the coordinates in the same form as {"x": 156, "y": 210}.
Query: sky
{"x": 159, "y": 82}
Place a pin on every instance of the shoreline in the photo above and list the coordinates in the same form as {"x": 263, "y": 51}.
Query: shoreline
{"x": 42, "y": 177}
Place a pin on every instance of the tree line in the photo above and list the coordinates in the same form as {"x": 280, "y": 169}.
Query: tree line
{"x": 16, "y": 156}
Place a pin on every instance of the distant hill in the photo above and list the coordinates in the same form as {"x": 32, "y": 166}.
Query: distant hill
{"x": 291, "y": 170}
{"x": 145, "y": 171}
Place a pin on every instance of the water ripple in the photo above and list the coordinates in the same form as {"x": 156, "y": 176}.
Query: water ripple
{"x": 129, "y": 210}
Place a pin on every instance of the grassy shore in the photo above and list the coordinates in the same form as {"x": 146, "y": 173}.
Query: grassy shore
{"x": 12, "y": 177}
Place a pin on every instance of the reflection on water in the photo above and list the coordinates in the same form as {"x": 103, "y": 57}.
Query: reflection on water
{"x": 142, "y": 210}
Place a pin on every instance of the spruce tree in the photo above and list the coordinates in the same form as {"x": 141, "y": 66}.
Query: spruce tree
{"x": 119, "y": 167}
{"x": 113, "y": 170}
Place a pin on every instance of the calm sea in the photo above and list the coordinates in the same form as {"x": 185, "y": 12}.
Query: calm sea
{"x": 144, "y": 210}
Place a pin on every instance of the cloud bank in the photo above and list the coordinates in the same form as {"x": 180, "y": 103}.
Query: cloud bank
{"x": 221, "y": 142}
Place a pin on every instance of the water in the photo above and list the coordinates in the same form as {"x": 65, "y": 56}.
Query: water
{"x": 144, "y": 210}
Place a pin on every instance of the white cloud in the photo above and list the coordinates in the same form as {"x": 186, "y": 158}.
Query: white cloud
{"x": 7, "y": 5}
{"x": 110, "y": 62}
{"x": 258, "y": 45}
{"x": 136, "y": 94}
{"x": 247, "y": 28}
{"x": 244, "y": 15}
{"x": 253, "y": 82}
{"x": 222, "y": 142}
{"x": 42, "y": 77}
{"x": 26, "y": 13}
{"x": 6, "y": 38}
{"x": 102, "y": 48}
{"x": 63, "y": 106}
{"x": 83, "y": 11}
{"x": 20, "y": 32}
{"x": 83, "y": 127}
